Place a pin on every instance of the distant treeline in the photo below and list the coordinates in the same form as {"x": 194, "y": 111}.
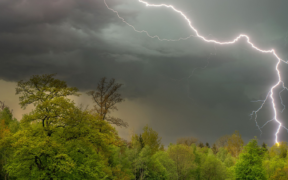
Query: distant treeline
{"x": 58, "y": 140}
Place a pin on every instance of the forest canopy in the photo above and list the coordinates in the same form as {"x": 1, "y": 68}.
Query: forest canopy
{"x": 60, "y": 140}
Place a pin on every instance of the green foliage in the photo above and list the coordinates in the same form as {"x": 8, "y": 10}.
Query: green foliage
{"x": 279, "y": 149}
{"x": 183, "y": 157}
{"x": 163, "y": 167}
{"x": 151, "y": 138}
{"x": 213, "y": 169}
{"x": 272, "y": 164}
{"x": 222, "y": 154}
{"x": 120, "y": 163}
{"x": 58, "y": 140}
{"x": 249, "y": 165}
{"x": 8, "y": 126}
{"x": 143, "y": 163}
{"x": 280, "y": 173}
{"x": 66, "y": 154}
{"x": 229, "y": 161}
{"x": 235, "y": 144}
{"x": 40, "y": 89}
{"x": 9, "y": 121}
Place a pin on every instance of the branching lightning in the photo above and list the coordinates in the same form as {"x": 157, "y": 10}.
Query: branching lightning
{"x": 198, "y": 35}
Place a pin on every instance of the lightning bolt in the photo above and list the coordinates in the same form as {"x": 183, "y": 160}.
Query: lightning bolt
{"x": 198, "y": 35}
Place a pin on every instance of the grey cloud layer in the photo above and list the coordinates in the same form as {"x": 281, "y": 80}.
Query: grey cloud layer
{"x": 83, "y": 41}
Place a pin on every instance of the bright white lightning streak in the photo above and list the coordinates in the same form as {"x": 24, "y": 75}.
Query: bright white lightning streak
{"x": 271, "y": 51}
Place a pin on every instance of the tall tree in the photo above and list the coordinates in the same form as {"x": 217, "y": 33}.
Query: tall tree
{"x": 151, "y": 138}
{"x": 49, "y": 96}
{"x": 183, "y": 157}
{"x": 163, "y": 167}
{"x": 57, "y": 140}
{"x": 249, "y": 166}
{"x": 106, "y": 96}
{"x": 213, "y": 169}
{"x": 235, "y": 144}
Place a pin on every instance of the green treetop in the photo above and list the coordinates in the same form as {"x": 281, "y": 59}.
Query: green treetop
{"x": 249, "y": 165}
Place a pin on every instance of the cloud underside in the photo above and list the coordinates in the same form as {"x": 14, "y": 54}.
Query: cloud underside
{"x": 185, "y": 88}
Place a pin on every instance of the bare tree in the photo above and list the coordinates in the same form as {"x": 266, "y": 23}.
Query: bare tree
{"x": 106, "y": 97}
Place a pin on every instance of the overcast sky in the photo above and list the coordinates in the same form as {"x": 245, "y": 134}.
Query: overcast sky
{"x": 185, "y": 88}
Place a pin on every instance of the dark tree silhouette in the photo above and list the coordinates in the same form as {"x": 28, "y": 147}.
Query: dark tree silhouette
{"x": 187, "y": 140}
{"x": 106, "y": 97}
{"x": 201, "y": 145}
{"x": 214, "y": 149}
{"x": 264, "y": 147}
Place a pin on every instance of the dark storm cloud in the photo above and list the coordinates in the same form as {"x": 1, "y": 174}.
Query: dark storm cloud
{"x": 190, "y": 87}
{"x": 43, "y": 35}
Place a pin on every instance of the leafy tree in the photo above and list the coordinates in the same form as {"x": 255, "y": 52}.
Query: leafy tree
{"x": 8, "y": 126}
{"x": 49, "y": 96}
{"x": 235, "y": 144}
{"x": 249, "y": 165}
{"x": 143, "y": 163}
{"x": 58, "y": 140}
{"x": 183, "y": 157}
{"x": 229, "y": 161}
{"x": 67, "y": 154}
{"x": 213, "y": 169}
{"x": 4, "y": 132}
{"x": 7, "y": 116}
{"x": 133, "y": 154}
{"x": 273, "y": 164}
{"x": 280, "y": 173}
{"x": 222, "y": 154}
{"x": 106, "y": 97}
{"x": 151, "y": 138}
{"x": 279, "y": 150}
{"x": 275, "y": 160}
{"x": 207, "y": 145}
{"x": 197, "y": 161}
{"x": 163, "y": 167}
{"x": 120, "y": 163}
